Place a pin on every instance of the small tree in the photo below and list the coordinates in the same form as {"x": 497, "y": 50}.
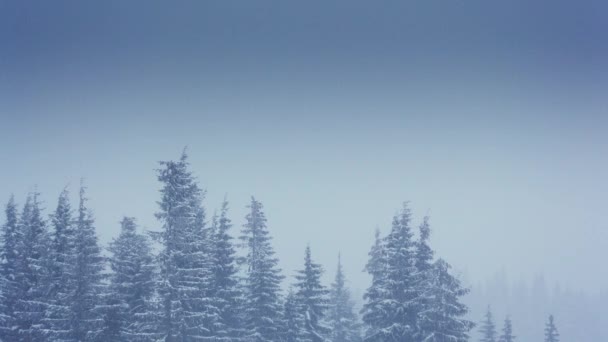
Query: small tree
{"x": 313, "y": 297}
{"x": 487, "y": 328}
{"x": 551, "y": 333}
{"x": 507, "y": 331}
{"x": 342, "y": 318}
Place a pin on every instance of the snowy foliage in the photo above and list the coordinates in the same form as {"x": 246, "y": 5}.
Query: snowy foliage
{"x": 186, "y": 311}
{"x": 412, "y": 298}
{"x": 55, "y": 284}
{"x": 263, "y": 311}
{"x": 313, "y": 298}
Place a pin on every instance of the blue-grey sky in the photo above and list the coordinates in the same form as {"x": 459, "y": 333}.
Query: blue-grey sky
{"x": 490, "y": 116}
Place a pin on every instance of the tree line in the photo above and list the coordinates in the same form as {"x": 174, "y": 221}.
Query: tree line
{"x": 188, "y": 282}
{"x": 489, "y": 332}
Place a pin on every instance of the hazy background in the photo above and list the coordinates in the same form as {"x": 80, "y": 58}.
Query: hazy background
{"x": 491, "y": 116}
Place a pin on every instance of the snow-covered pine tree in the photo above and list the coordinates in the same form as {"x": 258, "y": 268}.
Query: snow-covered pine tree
{"x": 440, "y": 312}
{"x": 343, "y": 321}
{"x": 507, "y": 331}
{"x": 30, "y": 305}
{"x": 426, "y": 309}
{"x": 442, "y": 318}
{"x": 551, "y": 333}
{"x": 87, "y": 276}
{"x": 185, "y": 271}
{"x": 395, "y": 308}
{"x": 313, "y": 297}
{"x": 10, "y": 291}
{"x": 131, "y": 286}
{"x": 487, "y": 328}
{"x": 60, "y": 271}
{"x": 263, "y": 278}
{"x": 293, "y": 319}
{"x": 376, "y": 267}
{"x": 225, "y": 276}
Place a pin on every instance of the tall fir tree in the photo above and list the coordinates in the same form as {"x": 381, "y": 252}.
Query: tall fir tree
{"x": 263, "y": 278}
{"x": 551, "y": 333}
{"x": 131, "y": 286}
{"x": 343, "y": 321}
{"x": 440, "y": 311}
{"x": 11, "y": 290}
{"x": 507, "y": 331}
{"x": 424, "y": 276}
{"x": 488, "y": 328}
{"x": 30, "y": 306}
{"x": 227, "y": 292}
{"x": 442, "y": 319}
{"x": 376, "y": 267}
{"x": 87, "y": 274}
{"x": 313, "y": 297}
{"x": 185, "y": 271}
{"x": 60, "y": 263}
{"x": 396, "y": 306}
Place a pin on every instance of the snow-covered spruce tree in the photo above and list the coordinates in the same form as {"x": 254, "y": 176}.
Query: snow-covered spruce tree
{"x": 440, "y": 312}
{"x": 343, "y": 321}
{"x": 313, "y": 297}
{"x": 551, "y": 334}
{"x": 185, "y": 267}
{"x": 30, "y": 305}
{"x": 225, "y": 276}
{"x": 507, "y": 331}
{"x": 263, "y": 278}
{"x": 131, "y": 286}
{"x": 60, "y": 261}
{"x": 487, "y": 328}
{"x": 376, "y": 267}
{"x": 427, "y": 316}
{"x": 395, "y": 312}
{"x": 87, "y": 287}
{"x": 442, "y": 318}
{"x": 10, "y": 290}
{"x": 293, "y": 320}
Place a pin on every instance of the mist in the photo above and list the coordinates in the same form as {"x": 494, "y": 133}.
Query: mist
{"x": 488, "y": 117}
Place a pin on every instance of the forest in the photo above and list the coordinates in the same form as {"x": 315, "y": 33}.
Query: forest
{"x": 201, "y": 278}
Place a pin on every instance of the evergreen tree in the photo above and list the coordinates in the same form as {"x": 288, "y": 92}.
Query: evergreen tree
{"x": 507, "y": 331}
{"x": 60, "y": 268}
{"x": 376, "y": 267}
{"x": 442, "y": 317}
{"x": 185, "y": 271}
{"x": 393, "y": 313}
{"x": 313, "y": 297}
{"x": 11, "y": 290}
{"x": 293, "y": 319}
{"x": 225, "y": 276}
{"x": 551, "y": 334}
{"x": 87, "y": 276}
{"x": 487, "y": 328}
{"x": 342, "y": 318}
{"x": 131, "y": 286}
{"x": 263, "y": 278}
{"x": 440, "y": 312}
{"x": 29, "y": 307}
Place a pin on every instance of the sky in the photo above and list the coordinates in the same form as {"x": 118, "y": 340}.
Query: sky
{"x": 489, "y": 116}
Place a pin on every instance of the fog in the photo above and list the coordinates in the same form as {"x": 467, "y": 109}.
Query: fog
{"x": 488, "y": 117}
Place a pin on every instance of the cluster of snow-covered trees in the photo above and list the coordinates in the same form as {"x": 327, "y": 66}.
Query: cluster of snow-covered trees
{"x": 186, "y": 282}
{"x": 489, "y": 333}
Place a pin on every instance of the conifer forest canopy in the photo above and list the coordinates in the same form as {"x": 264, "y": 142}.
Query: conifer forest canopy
{"x": 337, "y": 170}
